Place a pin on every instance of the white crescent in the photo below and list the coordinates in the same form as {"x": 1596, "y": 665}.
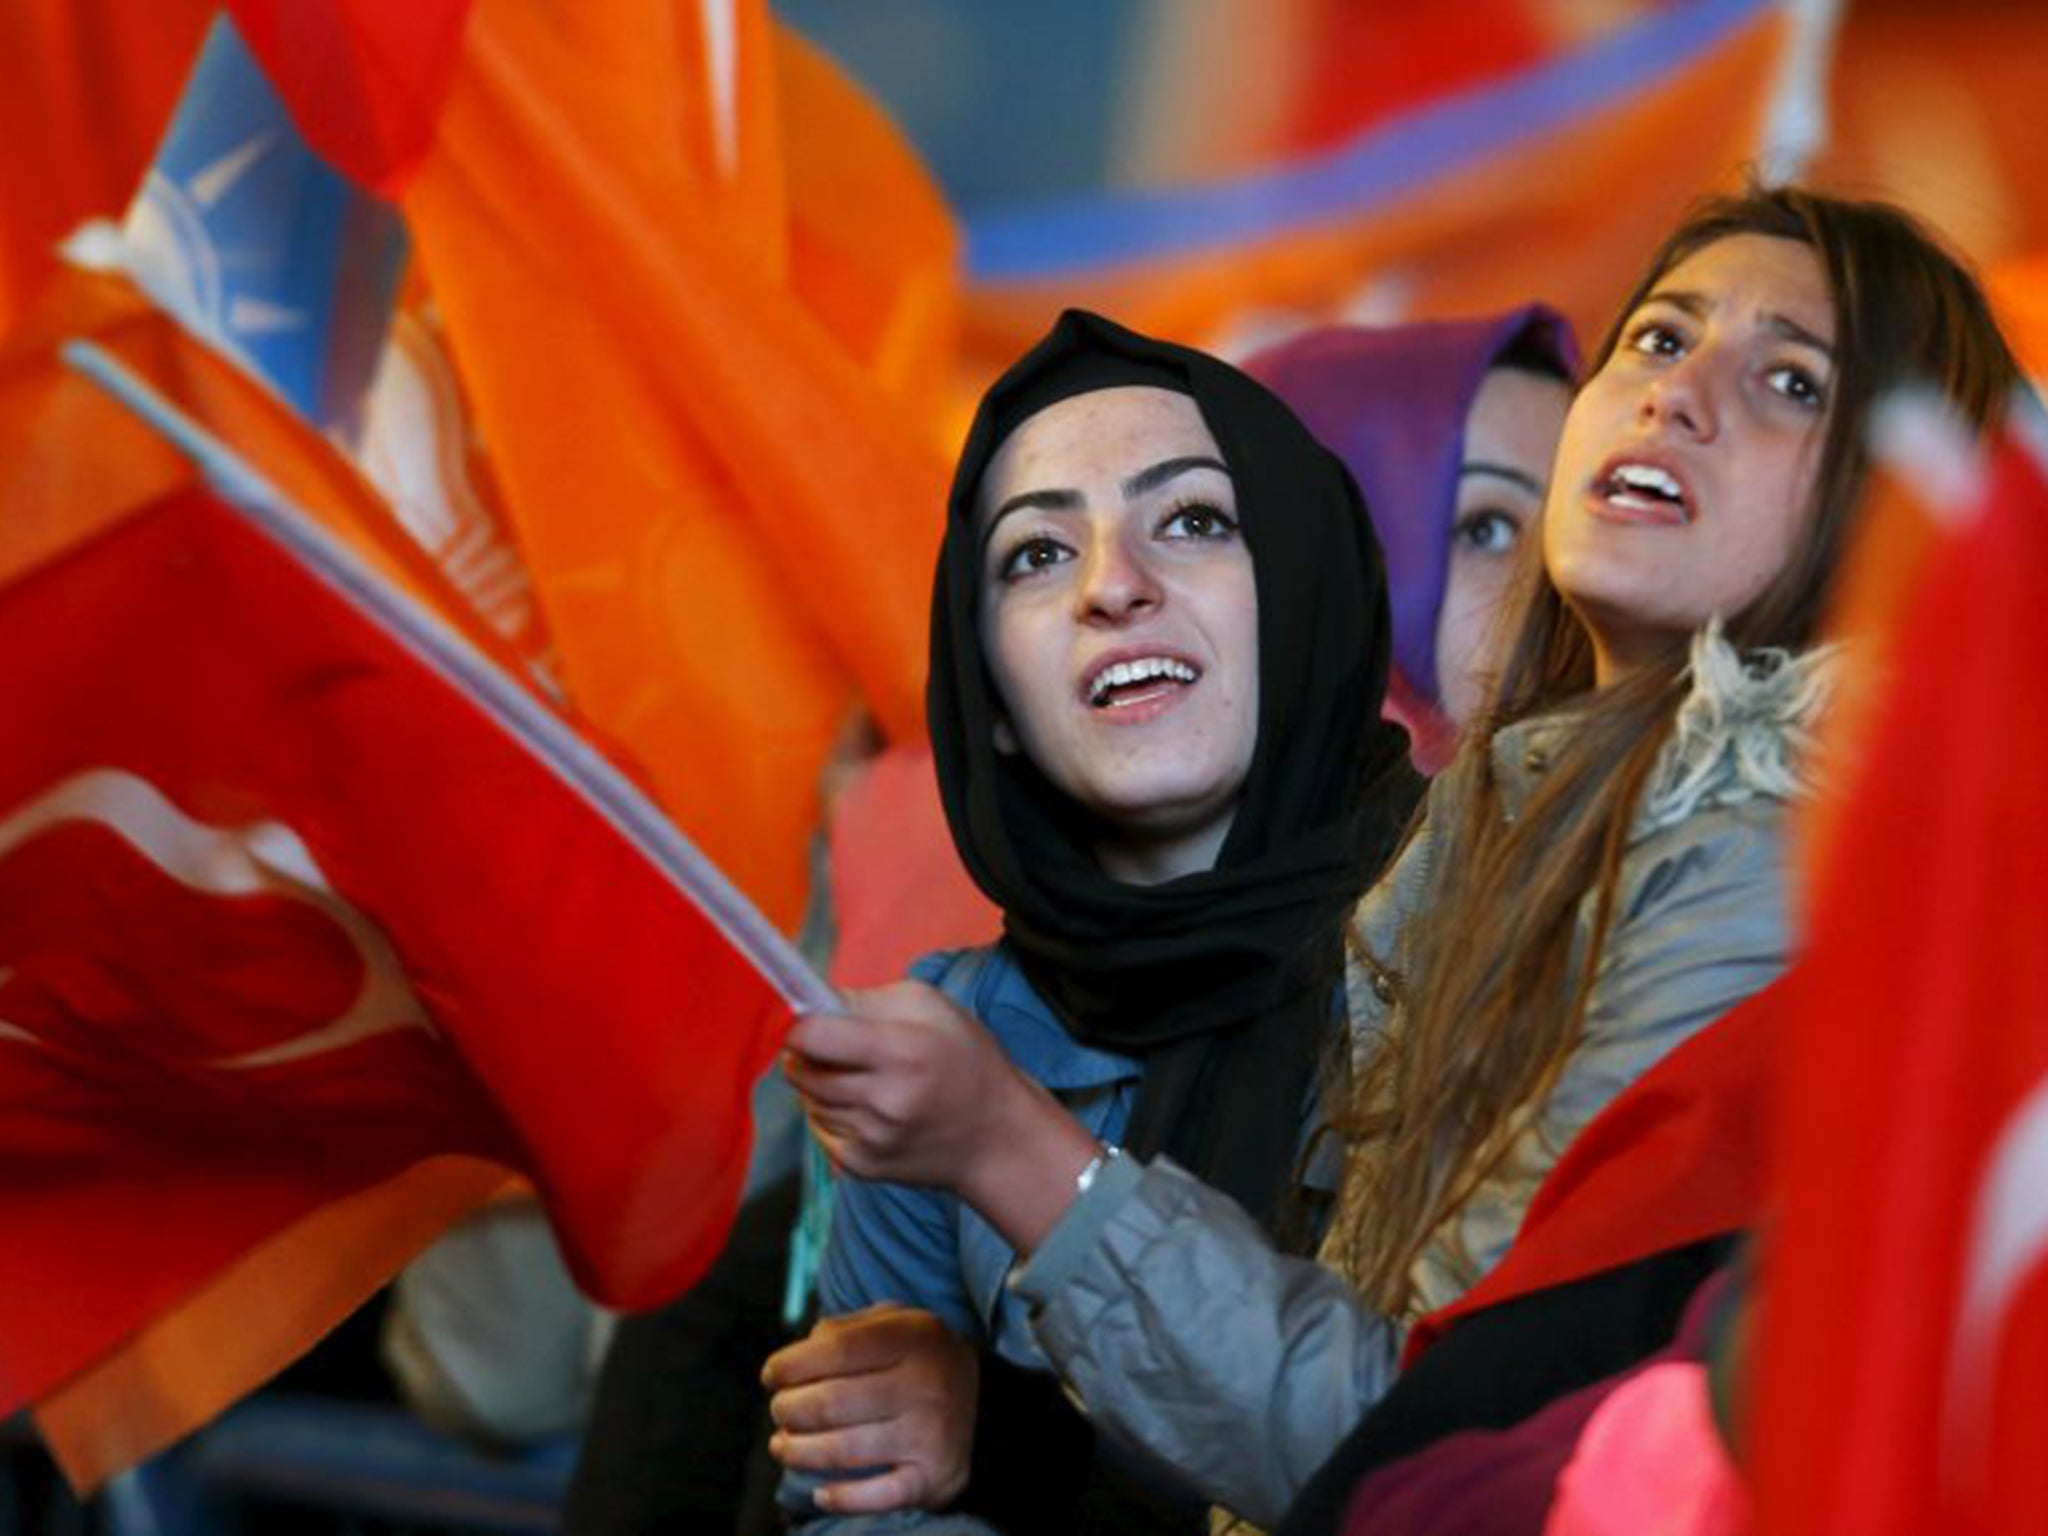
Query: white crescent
{"x": 265, "y": 856}
{"x": 2008, "y": 1244}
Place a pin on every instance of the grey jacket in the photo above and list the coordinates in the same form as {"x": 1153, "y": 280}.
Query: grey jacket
{"x": 1161, "y": 1304}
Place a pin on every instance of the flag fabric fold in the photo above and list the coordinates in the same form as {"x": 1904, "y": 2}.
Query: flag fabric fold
{"x": 1905, "y": 1315}
{"x": 729, "y": 515}
{"x": 302, "y": 931}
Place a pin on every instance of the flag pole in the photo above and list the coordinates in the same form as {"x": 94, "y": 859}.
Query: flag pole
{"x": 505, "y": 701}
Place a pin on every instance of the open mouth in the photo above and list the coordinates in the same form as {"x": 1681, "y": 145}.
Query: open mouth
{"x": 1140, "y": 680}
{"x": 1644, "y": 492}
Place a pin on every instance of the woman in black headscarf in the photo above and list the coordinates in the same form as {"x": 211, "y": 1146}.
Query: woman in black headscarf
{"x": 1159, "y": 646}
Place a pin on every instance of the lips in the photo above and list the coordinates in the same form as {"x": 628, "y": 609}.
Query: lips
{"x": 1643, "y": 488}
{"x": 1129, "y": 679}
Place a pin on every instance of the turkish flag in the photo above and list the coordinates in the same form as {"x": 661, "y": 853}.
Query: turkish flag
{"x": 315, "y": 922}
{"x": 1899, "y": 1381}
{"x": 699, "y": 296}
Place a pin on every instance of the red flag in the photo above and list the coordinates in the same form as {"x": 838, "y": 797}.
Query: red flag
{"x": 366, "y": 78}
{"x": 898, "y": 888}
{"x": 90, "y": 84}
{"x": 1680, "y": 1155}
{"x": 313, "y": 922}
{"x": 1898, "y": 1375}
{"x": 699, "y": 295}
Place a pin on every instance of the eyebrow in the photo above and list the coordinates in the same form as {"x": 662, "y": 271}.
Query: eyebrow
{"x": 1792, "y": 330}
{"x": 1506, "y": 472}
{"x": 1696, "y": 305}
{"x": 1152, "y": 478}
{"x": 1149, "y": 478}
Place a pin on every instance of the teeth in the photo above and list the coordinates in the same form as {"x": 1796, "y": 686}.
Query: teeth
{"x": 1144, "y": 669}
{"x": 1647, "y": 477}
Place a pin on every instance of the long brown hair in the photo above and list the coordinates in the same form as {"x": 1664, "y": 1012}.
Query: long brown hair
{"x": 1490, "y": 997}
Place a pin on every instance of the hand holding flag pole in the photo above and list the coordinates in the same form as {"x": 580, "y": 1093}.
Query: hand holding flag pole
{"x": 579, "y": 765}
{"x": 256, "y": 791}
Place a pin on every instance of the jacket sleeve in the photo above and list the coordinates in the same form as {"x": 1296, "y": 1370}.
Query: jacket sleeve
{"x": 1166, "y": 1311}
{"x": 1701, "y": 925}
{"x": 1705, "y": 925}
{"x": 1171, "y": 1317}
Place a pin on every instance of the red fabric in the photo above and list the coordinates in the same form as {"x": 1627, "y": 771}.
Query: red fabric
{"x": 898, "y": 890}
{"x": 364, "y": 80}
{"x": 86, "y": 87}
{"x": 1368, "y": 60}
{"x": 552, "y": 1002}
{"x": 1682, "y": 1155}
{"x": 1432, "y": 738}
{"x": 1899, "y": 1382}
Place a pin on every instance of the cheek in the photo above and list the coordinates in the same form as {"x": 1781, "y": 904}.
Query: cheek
{"x": 1008, "y": 641}
{"x": 1465, "y": 626}
{"x": 1476, "y": 582}
{"x": 1241, "y": 627}
{"x": 1772, "y": 538}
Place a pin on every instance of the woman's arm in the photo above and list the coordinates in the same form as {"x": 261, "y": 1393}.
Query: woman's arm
{"x": 908, "y": 1087}
{"x": 1163, "y": 1307}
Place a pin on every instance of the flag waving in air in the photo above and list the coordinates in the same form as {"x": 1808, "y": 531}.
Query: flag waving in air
{"x": 699, "y": 296}
{"x": 322, "y": 910}
{"x": 1898, "y": 1370}
{"x": 314, "y": 923}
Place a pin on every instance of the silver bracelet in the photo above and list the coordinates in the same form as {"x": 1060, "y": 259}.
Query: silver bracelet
{"x": 1104, "y": 1155}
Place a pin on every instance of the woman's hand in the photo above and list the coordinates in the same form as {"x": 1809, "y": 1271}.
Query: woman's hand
{"x": 909, "y": 1088}
{"x": 890, "y": 1388}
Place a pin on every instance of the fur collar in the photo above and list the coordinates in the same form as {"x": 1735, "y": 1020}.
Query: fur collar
{"x": 1745, "y": 732}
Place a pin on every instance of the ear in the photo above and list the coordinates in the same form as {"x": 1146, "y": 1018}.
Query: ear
{"x": 1005, "y": 735}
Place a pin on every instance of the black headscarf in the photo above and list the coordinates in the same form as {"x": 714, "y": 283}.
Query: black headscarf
{"x": 1222, "y": 981}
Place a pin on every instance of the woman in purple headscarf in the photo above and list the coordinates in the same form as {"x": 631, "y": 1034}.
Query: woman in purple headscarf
{"x": 1449, "y": 428}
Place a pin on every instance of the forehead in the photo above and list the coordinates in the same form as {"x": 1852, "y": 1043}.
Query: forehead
{"x": 1515, "y": 419}
{"x": 1106, "y": 434}
{"x": 1758, "y": 274}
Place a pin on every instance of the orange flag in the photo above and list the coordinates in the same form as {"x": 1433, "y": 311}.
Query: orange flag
{"x": 684, "y": 376}
{"x": 2019, "y": 291}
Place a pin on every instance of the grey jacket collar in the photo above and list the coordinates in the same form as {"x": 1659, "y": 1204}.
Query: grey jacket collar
{"x": 1744, "y": 732}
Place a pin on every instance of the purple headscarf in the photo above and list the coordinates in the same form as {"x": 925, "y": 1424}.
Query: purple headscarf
{"x": 1391, "y": 402}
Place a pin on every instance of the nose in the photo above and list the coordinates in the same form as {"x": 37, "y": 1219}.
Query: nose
{"x": 1683, "y": 395}
{"x": 1117, "y": 582}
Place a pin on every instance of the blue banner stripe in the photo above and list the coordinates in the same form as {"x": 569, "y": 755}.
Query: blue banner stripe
{"x": 1383, "y": 163}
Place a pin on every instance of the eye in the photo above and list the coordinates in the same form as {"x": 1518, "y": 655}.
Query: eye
{"x": 1655, "y": 338}
{"x": 1487, "y": 531}
{"x": 1198, "y": 520}
{"x": 1030, "y": 556}
{"x": 1799, "y": 385}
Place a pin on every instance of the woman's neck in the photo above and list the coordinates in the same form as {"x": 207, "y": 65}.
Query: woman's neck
{"x": 1132, "y": 858}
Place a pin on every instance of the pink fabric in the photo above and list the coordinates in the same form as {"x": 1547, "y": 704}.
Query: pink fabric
{"x": 898, "y": 890}
{"x": 1650, "y": 1463}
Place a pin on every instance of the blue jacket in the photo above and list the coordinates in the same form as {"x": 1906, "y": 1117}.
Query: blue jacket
{"x": 892, "y": 1242}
